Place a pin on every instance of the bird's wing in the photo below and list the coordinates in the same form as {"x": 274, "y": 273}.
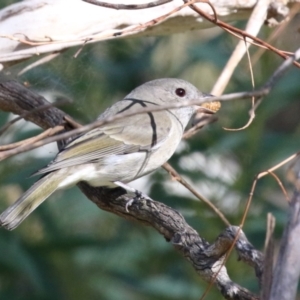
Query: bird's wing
{"x": 137, "y": 133}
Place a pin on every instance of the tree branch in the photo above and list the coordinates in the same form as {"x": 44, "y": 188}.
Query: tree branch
{"x": 287, "y": 269}
{"x": 59, "y": 27}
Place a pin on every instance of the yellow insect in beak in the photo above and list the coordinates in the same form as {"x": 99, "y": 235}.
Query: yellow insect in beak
{"x": 204, "y": 113}
{"x": 212, "y": 107}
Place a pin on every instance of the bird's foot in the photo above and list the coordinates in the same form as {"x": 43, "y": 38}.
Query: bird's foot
{"x": 138, "y": 196}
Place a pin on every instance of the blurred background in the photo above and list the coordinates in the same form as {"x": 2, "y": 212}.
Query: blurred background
{"x": 69, "y": 249}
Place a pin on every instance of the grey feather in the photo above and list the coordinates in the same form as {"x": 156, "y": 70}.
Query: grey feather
{"x": 32, "y": 198}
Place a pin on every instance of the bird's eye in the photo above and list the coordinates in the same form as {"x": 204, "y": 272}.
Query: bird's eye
{"x": 180, "y": 92}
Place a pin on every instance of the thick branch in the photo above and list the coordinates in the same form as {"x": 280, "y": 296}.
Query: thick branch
{"x": 58, "y": 26}
{"x": 287, "y": 269}
{"x": 206, "y": 259}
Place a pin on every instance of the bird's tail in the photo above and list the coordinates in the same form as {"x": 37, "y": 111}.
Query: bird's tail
{"x": 30, "y": 200}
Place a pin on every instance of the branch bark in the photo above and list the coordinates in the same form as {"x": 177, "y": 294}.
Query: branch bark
{"x": 287, "y": 268}
{"x": 207, "y": 259}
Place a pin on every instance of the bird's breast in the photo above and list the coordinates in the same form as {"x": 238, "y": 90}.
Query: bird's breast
{"x": 128, "y": 167}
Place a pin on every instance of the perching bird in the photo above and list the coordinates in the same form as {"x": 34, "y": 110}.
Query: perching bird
{"x": 118, "y": 152}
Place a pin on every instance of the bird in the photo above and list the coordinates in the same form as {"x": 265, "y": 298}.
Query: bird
{"x": 120, "y": 151}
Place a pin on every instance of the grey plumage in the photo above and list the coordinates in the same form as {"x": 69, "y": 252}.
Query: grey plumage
{"x": 120, "y": 151}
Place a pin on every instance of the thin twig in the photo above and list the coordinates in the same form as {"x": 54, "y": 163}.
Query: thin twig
{"x": 252, "y": 110}
{"x": 276, "y": 33}
{"x": 128, "y": 6}
{"x": 160, "y": 19}
{"x": 41, "y": 136}
{"x": 279, "y": 182}
{"x": 178, "y": 178}
{"x": 243, "y": 33}
{"x": 208, "y": 119}
{"x": 264, "y": 173}
{"x": 72, "y": 122}
{"x": 256, "y": 20}
{"x": 39, "y": 62}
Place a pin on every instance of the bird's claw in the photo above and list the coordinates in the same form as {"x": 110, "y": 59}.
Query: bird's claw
{"x": 138, "y": 196}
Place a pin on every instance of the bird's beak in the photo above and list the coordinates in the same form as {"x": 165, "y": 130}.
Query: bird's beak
{"x": 205, "y": 110}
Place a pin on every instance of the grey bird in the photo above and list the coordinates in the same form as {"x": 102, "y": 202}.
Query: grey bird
{"x": 118, "y": 152}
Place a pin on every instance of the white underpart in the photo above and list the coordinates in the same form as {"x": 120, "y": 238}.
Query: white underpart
{"x": 123, "y": 168}
{"x": 76, "y": 174}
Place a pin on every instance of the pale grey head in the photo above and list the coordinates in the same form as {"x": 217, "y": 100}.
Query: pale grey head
{"x": 167, "y": 91}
